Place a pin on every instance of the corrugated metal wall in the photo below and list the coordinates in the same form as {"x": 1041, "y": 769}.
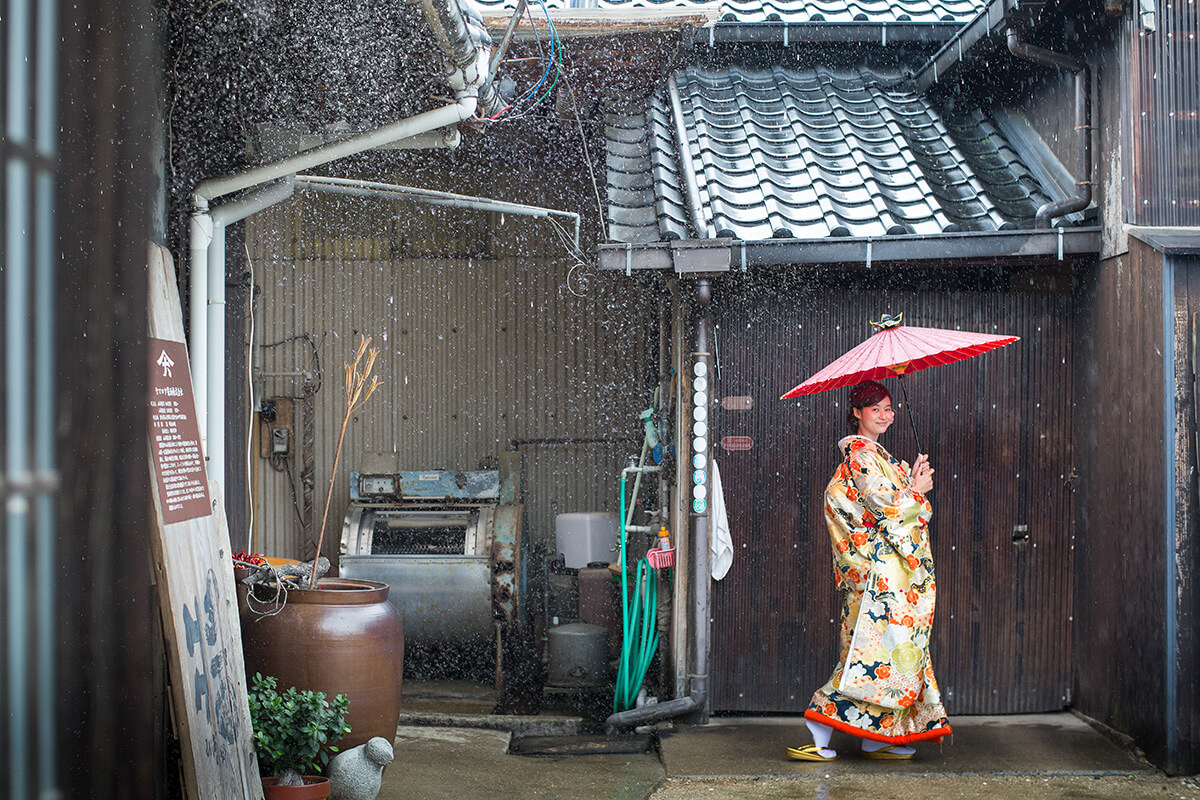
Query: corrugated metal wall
{"x": 998, "y": 430}
{"x": 1166, "y": 116}
{"x": 475, "y": 352}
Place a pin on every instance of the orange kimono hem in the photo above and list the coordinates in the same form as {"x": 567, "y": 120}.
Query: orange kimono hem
{"x": 936, "y": 734}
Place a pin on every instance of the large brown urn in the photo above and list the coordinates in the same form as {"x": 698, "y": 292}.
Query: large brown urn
{"x": 343, "y": 637}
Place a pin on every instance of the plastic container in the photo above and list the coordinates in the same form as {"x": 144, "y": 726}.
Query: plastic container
{"x": 600, "y": 603}
{"x": 586, "y": 537}
{"x": 578, "y": 656}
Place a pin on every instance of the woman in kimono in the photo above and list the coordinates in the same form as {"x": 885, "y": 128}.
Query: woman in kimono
{"x": 882, "y": 690}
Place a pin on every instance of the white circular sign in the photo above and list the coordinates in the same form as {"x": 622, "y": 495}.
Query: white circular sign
{"x": 699, "y": 413}
{"x": 699, "y": 461}
{"x": 700, "y": 429}
{"x": 700, "y": 369}
{"x": 700, "y": 384}
{"x": 698, "y": 492}
{"x": 699, "y": 444}
{"x": 700, "y": 399}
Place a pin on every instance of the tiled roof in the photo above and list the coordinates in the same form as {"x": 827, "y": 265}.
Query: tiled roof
{"x": 792, "y": 11}
{"x": 810, "y": 154}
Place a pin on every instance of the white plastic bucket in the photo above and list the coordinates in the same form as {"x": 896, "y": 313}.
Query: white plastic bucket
{"x": 586, "y": 537}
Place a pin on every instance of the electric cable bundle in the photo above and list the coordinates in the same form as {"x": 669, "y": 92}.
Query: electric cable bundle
{"x": 523, "y": 105}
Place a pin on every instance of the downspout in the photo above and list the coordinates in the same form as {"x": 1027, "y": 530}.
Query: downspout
{"x": 220, "y": 217}
{"x": 697, "y": 701}
{"x": 1083, "y": 125}
{"x": 203, "y": 349}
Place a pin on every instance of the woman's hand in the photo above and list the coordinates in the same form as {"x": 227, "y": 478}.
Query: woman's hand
{"x": 922, "y": 474}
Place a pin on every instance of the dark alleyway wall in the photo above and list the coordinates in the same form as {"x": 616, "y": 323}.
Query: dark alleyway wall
{"x": 1120, "y": 667}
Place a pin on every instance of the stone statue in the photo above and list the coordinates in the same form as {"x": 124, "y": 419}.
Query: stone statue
{"x": 356, "y": 773}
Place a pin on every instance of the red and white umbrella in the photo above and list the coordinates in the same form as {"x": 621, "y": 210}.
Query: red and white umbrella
{"x": 896, "y": 349}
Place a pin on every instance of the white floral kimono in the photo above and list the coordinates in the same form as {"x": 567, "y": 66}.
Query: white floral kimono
{"x": 883, "y": 687}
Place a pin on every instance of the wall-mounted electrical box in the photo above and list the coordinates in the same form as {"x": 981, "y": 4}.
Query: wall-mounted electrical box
{"x": 276, "y": 427}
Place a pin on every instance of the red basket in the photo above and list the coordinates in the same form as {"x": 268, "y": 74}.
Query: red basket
{"x": 661, "y": 559}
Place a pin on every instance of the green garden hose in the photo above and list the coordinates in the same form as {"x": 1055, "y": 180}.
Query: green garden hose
{"x": 638, "y": 643}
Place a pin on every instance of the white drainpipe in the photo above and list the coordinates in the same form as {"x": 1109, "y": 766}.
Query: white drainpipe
{"x": 206, "y": 331}
{"x": 361, "y": 188}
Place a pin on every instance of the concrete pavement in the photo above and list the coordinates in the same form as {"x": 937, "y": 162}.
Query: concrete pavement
{"x": 450, "y": 746}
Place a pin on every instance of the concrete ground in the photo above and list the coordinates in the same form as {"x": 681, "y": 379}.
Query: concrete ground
{"x": 449, "y": 745}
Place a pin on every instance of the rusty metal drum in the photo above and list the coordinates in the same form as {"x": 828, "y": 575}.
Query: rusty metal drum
{"x": 343, "y": 637}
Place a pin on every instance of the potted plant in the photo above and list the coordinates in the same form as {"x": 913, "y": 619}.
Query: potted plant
{"x": 294, "y": 732}
{"x": 336, "y": 635}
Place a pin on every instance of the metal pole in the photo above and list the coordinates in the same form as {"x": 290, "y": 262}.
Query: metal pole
{"x": 908, "y": 408}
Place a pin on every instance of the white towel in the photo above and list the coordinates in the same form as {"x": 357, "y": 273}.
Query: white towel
{"x": 720, "y": 540}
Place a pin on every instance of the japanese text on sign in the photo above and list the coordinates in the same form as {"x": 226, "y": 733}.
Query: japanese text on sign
{"x": 175, "y": 436}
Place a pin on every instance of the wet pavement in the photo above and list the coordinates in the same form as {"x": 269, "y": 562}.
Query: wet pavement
{"x": 449, "y": 745}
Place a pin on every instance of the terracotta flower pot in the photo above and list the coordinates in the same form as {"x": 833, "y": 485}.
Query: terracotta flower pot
{"x": 343, "y": 637}
{"x": 315, "y": 788}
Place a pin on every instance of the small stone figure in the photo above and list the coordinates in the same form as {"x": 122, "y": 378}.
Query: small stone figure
{"x": 357, "y": 773}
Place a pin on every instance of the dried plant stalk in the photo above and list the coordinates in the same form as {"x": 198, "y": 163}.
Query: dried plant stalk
{"x": 360, "y": 384}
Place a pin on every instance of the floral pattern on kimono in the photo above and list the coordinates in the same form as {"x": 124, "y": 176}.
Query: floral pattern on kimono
{"x": 879, "y": 528}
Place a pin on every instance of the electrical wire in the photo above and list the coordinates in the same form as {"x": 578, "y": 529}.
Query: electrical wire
{"x": 250, "y": 405}
{"x": 524, "y": 104}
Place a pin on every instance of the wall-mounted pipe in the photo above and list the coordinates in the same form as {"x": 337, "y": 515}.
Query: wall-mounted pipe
{"x": 1083, "y": 125}
{"x": 361, "y": 188}
{"x": 220, "y": 217}
{"x": 696, "y": 702}
{"x": 207, "y": 355}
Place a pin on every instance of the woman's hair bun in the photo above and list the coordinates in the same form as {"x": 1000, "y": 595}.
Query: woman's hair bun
{"x": 864, "y": 394}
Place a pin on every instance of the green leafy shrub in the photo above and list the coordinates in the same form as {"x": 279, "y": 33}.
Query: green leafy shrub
{"x": 295, "y": 730}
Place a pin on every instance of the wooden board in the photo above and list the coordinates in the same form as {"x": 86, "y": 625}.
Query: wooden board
{"x": 196, "y": 588}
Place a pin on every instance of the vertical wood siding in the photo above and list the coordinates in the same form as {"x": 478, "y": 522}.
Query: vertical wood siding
{"x": 1187, "y": 333}
{"x": 1119, "y": 598}
{"x": 475, "y": 352}
{"x": 998, "y": 430}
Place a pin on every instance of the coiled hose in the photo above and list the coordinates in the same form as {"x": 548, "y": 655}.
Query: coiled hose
{"x": 638, "y": 641}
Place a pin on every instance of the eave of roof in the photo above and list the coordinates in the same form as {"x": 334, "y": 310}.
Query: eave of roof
{"x": 1170, "y": 240}
{"x": 948, "y": 250}
{"x": 787, "y": 34}
{"x": 762, "y": 12}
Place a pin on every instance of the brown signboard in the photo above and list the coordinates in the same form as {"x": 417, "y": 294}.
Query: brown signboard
{"x": 737, "y": 443}
{"x": 175, "y": 435}
{"x": 742, "y": 402}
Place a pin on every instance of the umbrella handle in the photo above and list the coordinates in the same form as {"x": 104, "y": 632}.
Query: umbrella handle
{"x": 908, "y": 408}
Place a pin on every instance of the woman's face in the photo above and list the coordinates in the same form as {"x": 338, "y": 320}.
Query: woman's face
{"x": 875, "y": 419}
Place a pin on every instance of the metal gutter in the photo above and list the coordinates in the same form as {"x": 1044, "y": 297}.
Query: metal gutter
{"x": 1083, "y": 124}
{"x": 950, "y": 250}
{"x": 694, "y": 205}
{"x": 824, "y": 32}
{"x": 990, "y": 21}
{"x": 1053, "y": 177}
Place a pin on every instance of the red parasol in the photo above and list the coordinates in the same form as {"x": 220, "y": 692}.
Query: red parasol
{"x": 897, "y": 349}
